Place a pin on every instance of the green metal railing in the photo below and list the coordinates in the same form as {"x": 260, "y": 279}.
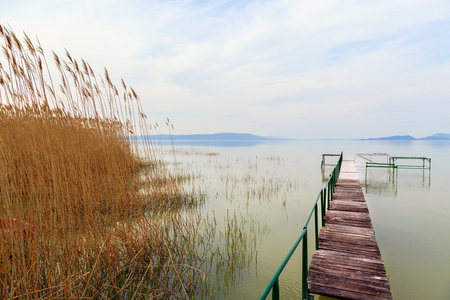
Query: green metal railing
{"x": 423, "y": 166}
{"x": 426, "y": 163}
{"x": 380, "y": 165}
{"x": 325, "y": 196}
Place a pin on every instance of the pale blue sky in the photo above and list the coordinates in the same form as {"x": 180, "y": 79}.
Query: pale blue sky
{"x": 293, "y": 68}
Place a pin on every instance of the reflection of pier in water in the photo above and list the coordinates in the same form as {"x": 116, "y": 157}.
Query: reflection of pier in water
{"x": 382, "y": 178}
{"x": 327, "y": 167}
{"x": 381, "y": 182}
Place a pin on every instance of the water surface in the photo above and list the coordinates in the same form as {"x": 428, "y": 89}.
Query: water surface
{"x": 273, "y": 186}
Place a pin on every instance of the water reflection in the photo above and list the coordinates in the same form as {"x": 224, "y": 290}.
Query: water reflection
{"x": 385, "y": 181}
{"x": 381, "y": 182}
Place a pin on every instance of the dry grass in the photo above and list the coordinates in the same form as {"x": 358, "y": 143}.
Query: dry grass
{"x": 91, "y": 216}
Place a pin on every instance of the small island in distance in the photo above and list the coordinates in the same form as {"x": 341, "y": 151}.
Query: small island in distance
{"x": 434, "y": 137}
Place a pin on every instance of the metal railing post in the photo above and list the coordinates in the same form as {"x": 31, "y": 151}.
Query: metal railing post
{"x": 332, "y": 185}
{"x": 276, "y": 290}
{"x": 305, "y": 266}
{"x": 316, "y": 223}
{"x": 329, "y": 192}
{"x": 322, "y": 200}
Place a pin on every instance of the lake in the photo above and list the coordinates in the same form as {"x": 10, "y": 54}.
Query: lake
{"x": 270, "y": 187}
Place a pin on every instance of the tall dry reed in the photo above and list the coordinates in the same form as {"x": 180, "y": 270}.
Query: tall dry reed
{"x": 81, "y": 214}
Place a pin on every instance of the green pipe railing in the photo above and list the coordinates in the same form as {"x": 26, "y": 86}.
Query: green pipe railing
{"x": 325, "y": 196}
{"x": 424, "y": 159}
{"x": 380, "y": 165}
{"x": 393, "y": 165}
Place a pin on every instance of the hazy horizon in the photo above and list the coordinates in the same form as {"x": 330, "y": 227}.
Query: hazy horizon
{"x": 243, "y": 135}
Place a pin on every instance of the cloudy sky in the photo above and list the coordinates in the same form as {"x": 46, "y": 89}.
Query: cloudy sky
{"x": 291, "y": 68}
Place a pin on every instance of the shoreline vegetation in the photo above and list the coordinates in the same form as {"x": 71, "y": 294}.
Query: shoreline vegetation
{"x": 85, "y": 213}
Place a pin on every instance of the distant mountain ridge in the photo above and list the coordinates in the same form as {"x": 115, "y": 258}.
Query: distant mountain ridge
{"x": 434, "y": 137}
{"x": 226, "y": 136}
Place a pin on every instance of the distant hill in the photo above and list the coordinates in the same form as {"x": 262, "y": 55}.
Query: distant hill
{"x": 437, "y": 136}
{"x": 434, "y": 137}
{"x": 394, "y": 137}
{"x": 212, "y": 137}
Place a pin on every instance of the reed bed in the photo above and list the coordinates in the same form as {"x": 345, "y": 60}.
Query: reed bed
{"x": 90, "y": 210}
{"x": 84, "y": 213}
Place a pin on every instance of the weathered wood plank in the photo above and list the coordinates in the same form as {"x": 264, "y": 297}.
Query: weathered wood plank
{"x": 349, "y": 229}
{"x": 339, "y": 281}
{"x": 347, "y": 237}
{"x": 363, "y": 274}
{"x": 348, "y": 183}
{"x": 360, "y": 280}
{"x": 349, "y": 242}
{"x": 348, "y": 197}
{"x": 367, "y": 251}
{"x": 350, "y": 261}
{"x": 339, "y": 290}
{"x": 356, "y": 219}
{"x": 353, "y": 206}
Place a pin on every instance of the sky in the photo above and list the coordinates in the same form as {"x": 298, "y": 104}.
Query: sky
{"x": 302, "y": 69}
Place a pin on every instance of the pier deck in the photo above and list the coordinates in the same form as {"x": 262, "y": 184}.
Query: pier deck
{"x": 348, "y": 264}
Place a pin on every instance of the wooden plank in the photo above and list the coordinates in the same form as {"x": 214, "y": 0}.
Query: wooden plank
{"x": 349, "y": 229}
{"x": 351, "y": 261}
{"x": 352, "y": 187}
{"x": 343, "y": 180}
{"x": 348, "y": 187}
{"x": 348, "y": 218}
{"x": 351, "y": 237}
{"x": 347, "y": 284}
{"x": 347, "y": 276}
{"x": 334, "y": 287}
{"x": 346, "y": 246}
{"x": 361, "y": 281}
{"x": 353, "y": 206}
{"x": 346, "y": 193}
{"x": 349, "y": 198}
{"x": 349, "y": 241}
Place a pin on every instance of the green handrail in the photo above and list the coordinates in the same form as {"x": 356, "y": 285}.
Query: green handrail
{"x": 428, "y": 159}
{"x": 325, "y": 196}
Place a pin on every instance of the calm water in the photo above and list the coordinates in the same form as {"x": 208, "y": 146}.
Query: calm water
{"x": 273, "y": 186}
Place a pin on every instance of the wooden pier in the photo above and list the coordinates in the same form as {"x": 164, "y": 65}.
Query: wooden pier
{"x": 348, "y": 264}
